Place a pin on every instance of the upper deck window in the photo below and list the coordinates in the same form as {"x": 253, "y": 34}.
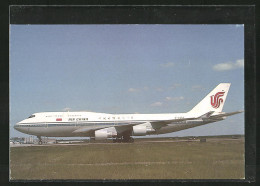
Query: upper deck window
{"x": 32, "y": 116}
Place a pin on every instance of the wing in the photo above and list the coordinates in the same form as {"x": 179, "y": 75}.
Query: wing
{"x": 155, "y": 124}
{"x": 165, "y": 122}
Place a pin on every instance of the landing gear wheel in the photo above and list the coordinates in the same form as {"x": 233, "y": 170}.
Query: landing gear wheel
{"x": 117, "y": 140}
{"x": 131, "y": 140}
{"x": 128, "y": 139}
{"x": 40, "y": 140}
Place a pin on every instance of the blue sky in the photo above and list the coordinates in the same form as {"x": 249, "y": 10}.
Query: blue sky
{"x": 126, "y": 69}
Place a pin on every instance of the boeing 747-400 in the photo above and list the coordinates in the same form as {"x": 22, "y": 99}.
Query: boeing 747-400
{"x": 121, "y": 127}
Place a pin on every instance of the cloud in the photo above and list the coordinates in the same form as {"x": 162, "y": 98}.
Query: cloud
{"x": 197, "y": 88}
{"x": 229, "y": 65}
{"x": 174, "y": 98}
{"x": 145, "y": 88}
{"x": 174, "y": 86}
{"x": 133, "y": 90}
{"x": 157, "y": 104}
{"x": 166, "y": 65}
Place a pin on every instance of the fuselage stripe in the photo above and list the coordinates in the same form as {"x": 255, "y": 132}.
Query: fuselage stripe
{"x": 70, "y": 124}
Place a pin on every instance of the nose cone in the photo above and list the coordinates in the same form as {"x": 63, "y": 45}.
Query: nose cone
{"x": 18, "y": 127}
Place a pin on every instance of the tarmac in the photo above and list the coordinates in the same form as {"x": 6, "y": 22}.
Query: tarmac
{"x": 70, "y": 143}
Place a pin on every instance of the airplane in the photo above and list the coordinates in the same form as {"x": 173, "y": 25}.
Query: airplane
{"x": 121, "y": 127}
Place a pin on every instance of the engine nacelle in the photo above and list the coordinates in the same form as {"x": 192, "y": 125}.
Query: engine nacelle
{"x": 104, "y": 134}
{"x": 139, "y": 130}
{"x": 143, "y": 129}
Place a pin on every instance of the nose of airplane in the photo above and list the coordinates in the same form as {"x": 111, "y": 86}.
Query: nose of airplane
{"x": 17, "y": 127}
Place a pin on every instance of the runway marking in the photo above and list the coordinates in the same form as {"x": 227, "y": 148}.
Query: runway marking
{"x": 110, "y": 164}
{"x": 168, "y": 141}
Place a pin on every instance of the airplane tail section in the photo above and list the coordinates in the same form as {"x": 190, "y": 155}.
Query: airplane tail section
{"x": 214, "y": 101}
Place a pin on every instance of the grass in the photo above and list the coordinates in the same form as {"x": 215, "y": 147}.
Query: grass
{"x": 221, "y": 159}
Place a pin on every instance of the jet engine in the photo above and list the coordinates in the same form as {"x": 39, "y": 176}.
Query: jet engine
{"x": 142, "y": 129}
{"x": 103, "y": 134}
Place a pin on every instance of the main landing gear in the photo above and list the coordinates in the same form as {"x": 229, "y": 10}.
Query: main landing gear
{"x": 123, "y": 139}
{"x": 40, "y": 140}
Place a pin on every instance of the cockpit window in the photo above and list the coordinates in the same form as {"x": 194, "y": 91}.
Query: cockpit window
{"x": 31, "y": 116}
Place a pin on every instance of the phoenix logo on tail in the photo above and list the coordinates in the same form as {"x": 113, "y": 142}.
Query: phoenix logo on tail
{"x": 216, "y": 100}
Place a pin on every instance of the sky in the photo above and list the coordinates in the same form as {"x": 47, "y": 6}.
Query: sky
{"x": 126, "y": 69}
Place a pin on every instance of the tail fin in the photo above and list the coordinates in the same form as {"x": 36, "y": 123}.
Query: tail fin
{"x": 214, "y": 101}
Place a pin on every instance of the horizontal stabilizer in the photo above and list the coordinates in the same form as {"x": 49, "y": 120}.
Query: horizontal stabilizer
{"x": 225, "y": 114}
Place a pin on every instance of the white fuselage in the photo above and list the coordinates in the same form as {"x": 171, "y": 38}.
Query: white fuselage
{"x": 104, "y": 126}
{"x": 63, "y": 124}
